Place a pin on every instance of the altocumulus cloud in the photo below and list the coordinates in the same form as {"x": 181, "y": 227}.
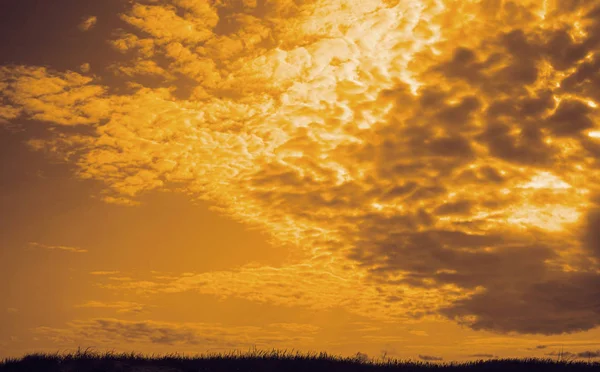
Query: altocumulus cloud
{"x": 423, "y": 172}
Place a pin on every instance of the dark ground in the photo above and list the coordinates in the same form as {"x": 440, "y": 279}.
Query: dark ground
{"x": 274, "y": 361}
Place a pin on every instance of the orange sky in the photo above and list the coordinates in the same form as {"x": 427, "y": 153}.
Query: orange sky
{"x": 415, "y": 177}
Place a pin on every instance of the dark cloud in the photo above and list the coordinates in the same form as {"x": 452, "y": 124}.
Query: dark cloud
{"x": 570, "y": 302}
{"x": 498, "y": 98}
{"x": 591, "y": 237}
{"x": 144, "y": 331}
{"x": 451, "y": 146}
{"x": 561, "y": 353}
{"x": 483, "y": 356}
{"x": 510, "y": 103}
{"x": 538, "y": 104}
{"x": 460, "y": 114}
{"x": 585, "y": 79}
{"x": 527, "y": 148}
{"x": 491, "y": 174}
{"x": 484, "y": 175}
{"x": 452, "y": 257}
{"x": 430, "y": 357}
{"x": 110, "y": 331}
{"x": 400, "y": 190}
{"x": 589, "y": 354}
{"x": 570, "y": 118}
{"x": 460, "y": 207}
{"x": 521, "y": 69}
{"x": 463, "y": 65}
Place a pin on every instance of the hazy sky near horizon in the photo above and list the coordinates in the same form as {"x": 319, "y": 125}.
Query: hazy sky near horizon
{"x": 414, "y": 177}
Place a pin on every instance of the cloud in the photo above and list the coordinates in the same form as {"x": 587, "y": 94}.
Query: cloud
{"x": 104, "y": 272}
{"x": 59, "y": 98}
{"x": 589, "y": 354}
{"x": 88, "y": 23}
{"x": 12, "y": 310}
{"x": 591, "y": 237}
{"x": 552, "y": 301}
{"x": 58, "y": 248}
{"x": 111, "y": 332}
{"x": 164, "y": 24}
{"x": 483, "y": 356}
{"x": 430, "y": 358}
{"x": 558, "y": 353}
{"x": 120, "y": 278}
{"x": 415, "y": 170}
{"x": 455, "y": 255}
{"x": 119, "y": 306}
{"x": 313, "y": 286}
{"x": 296, "y": 327}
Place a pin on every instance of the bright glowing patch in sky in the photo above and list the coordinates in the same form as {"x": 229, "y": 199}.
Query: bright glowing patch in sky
{"x": 546, "y": 180}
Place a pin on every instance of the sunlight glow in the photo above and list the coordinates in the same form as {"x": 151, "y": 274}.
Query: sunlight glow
{"x": 546, "y": 180}
{"x": 594, "y": 134}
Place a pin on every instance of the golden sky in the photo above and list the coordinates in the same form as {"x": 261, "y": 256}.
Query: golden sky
{"x": 413, "y": 177}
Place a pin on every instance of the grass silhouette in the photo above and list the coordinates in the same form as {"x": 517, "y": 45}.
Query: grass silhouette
{"x": 267, "y": 361}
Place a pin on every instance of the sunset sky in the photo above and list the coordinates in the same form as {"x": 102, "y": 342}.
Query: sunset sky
{"x": 419, "y": 178}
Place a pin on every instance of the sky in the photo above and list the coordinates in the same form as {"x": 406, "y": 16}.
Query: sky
{"x": 414, "y": 178}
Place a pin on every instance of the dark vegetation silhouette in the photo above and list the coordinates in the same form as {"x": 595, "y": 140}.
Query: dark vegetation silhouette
{"x": 267, "y": 361}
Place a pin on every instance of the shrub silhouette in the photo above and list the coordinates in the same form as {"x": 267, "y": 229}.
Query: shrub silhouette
{"x": 264, "y": 361}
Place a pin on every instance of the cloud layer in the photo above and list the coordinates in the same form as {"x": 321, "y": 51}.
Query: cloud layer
{"x": 416, "y": 169}
{"x": 106, "y": 332}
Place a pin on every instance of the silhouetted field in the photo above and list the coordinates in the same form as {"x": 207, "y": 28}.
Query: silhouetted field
{"x": 270, "y": 361}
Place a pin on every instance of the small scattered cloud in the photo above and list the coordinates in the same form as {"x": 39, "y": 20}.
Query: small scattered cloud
{"x": 120, "y": 278}
{"x": 582, "y": 354}
{"x": 419, "y": 333}
{"x": 120, "y": 201}
{"x": 104, "y": 272}
{"x": 430, "y": 358}
{"x": 12, "y": 310}
{"x": 589, "y": 354}
{"x": 483, "y": 356}
{"x": 538, "y": 347}
{"x": 560, "y": 353}
{"x": 88, "y": 23}
{"x": 63, "y": 248}
{"x": 85, "y": 68}
{"x": 296, "y": 327}
{"x": 119, "y": 306}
